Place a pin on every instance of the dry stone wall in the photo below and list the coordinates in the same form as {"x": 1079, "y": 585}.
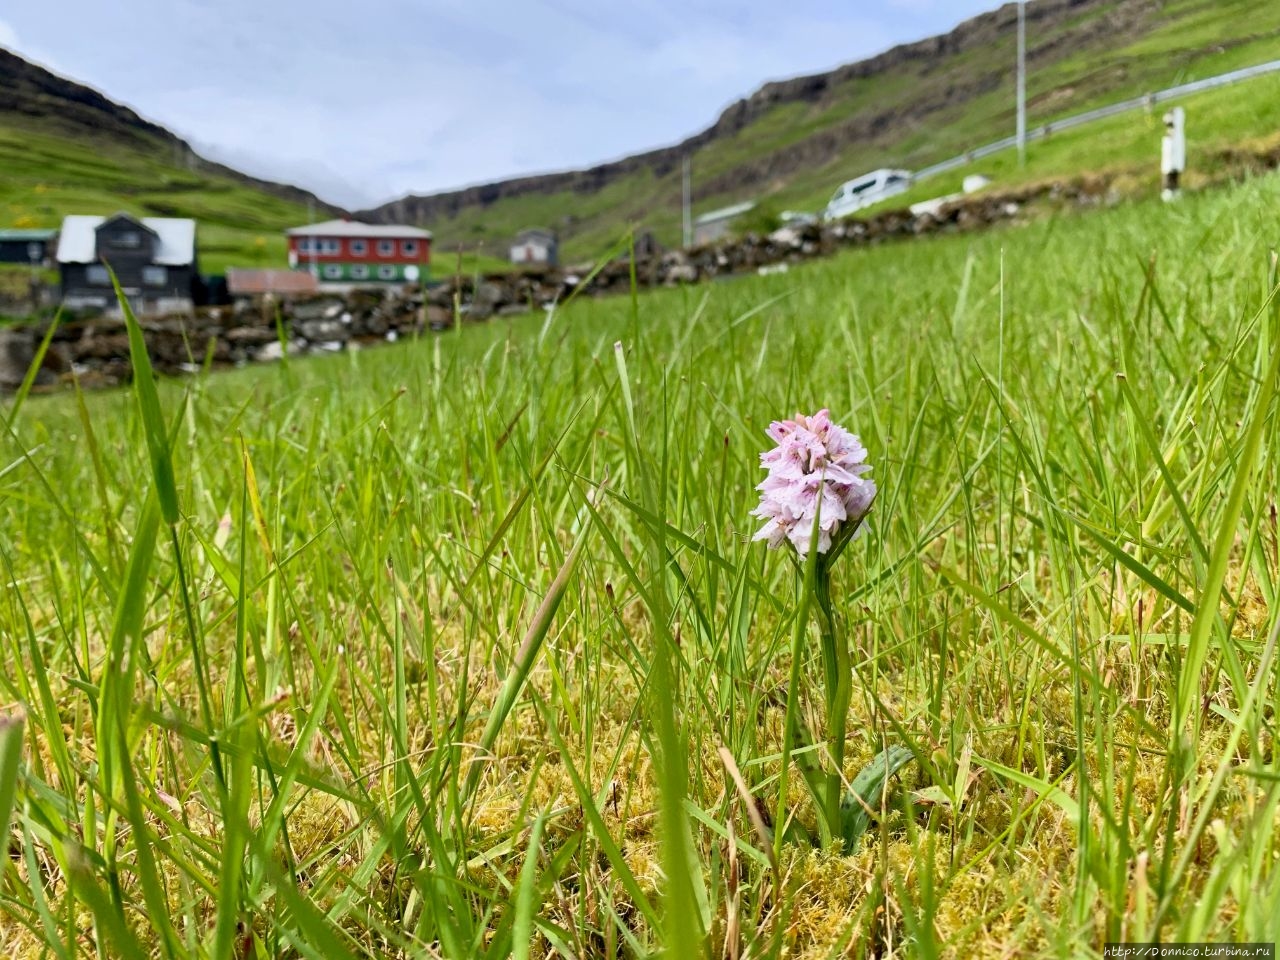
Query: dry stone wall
{"x": 96, "y": 349}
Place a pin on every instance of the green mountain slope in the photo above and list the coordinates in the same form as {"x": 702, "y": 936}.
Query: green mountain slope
{"x": 65, "y": 148}
{"x": 791, "y": 142}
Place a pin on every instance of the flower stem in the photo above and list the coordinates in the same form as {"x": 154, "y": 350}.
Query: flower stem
{"x": 792, "y": 732}
{"x": 837, "y": 667}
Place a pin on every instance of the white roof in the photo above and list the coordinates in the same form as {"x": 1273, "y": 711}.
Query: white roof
{"x": 354, "y": 228}
{"x": 726, "y": 213}
{"x": 877, "y": 174}
{"x": 78, "y": 241}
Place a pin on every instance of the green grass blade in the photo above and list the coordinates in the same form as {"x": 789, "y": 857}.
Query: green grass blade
{"x": 600, "y": 830}
{"x": 106, "y": 917}
{"x": 526, "y": 656}
{"x": 235, "y": 841}
{"x": 1190, "y": 679}
{"x": 11, "y": 728}
{"x": 144, "y": 388}
{"x": 1041, "y": 788}
{"x": 29, "y": 378}
{"x": 525, "y": 901}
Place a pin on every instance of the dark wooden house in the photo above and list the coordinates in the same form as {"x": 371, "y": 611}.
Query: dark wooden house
{"x": 154, "y": 258}
{"x": 26, "y": 246}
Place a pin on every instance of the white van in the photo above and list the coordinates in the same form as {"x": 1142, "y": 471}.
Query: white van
{"x": 865, "y": 190}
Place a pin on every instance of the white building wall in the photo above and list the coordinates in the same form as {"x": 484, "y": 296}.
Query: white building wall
{"x": 530, "y": 252}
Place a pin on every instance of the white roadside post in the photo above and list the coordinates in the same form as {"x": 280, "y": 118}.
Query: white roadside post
{"x": 1173, "y": 151}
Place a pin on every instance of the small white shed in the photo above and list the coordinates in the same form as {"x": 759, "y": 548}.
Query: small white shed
{"x": 535, "y": 247}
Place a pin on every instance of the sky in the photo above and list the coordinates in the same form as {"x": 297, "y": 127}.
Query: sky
{"x": 366, "y": 101}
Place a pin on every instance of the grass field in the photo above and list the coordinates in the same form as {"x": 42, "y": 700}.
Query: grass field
{"x": 270, "y": 632}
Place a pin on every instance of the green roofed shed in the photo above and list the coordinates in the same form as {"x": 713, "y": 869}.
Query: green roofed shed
{"x": 26, "y": 246}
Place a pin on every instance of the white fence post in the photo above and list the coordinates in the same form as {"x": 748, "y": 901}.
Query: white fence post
{"x": 1173, "y": 151}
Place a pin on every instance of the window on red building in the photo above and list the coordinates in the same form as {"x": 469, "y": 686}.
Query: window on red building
{"x": 315, "y": 245}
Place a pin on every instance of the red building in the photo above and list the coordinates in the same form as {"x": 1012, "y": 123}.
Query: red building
{"x": 345, "y": 253}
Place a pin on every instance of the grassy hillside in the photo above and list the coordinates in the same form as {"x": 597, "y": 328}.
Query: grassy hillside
{"x": 928, "y": 108}
{"x": 1126, "y": 146}
{"x": 281, "y": 717}
{"x": 47, "y": 175}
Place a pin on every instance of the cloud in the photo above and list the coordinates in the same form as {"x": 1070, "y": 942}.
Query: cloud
{"x": 8, "y": 36}
{"x": 320, "y": 178}
{"x": 424, "y": 95}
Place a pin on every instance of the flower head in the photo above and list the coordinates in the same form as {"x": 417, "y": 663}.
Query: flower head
{"x": 815, "y": 470}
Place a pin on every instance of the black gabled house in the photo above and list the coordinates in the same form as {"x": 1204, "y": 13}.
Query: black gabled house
{"x": 154, "y": 258}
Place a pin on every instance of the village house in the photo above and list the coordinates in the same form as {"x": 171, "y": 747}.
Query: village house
{"x": 26, "y": 246}
{"x": 342, "y": 254}
{"x": 154, "y": 259}
{"x": 535, "y": 247}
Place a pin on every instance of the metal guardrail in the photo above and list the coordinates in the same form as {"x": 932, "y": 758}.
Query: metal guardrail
{"x": 1100, "y": 113}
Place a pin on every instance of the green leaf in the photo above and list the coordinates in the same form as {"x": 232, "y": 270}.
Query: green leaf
{"x": 866, "y": 792}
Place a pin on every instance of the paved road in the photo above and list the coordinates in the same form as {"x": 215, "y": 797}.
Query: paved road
{"x": 1137, "y": 103}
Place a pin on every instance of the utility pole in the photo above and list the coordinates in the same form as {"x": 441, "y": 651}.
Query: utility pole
{"x": 311, "y": 240}
{"x": 1022, "y": 82}
{"x": 34, "y": 252}
{"x": 688, "y": 202}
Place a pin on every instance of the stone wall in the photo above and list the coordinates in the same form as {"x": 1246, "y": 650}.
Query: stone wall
{"x": 96, "y": 349}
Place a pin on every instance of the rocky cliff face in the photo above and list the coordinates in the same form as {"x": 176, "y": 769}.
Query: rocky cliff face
{"x": 1062, "y": 25}
{"x": 34, "y": 95}
{"x": 32, "y": 92}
